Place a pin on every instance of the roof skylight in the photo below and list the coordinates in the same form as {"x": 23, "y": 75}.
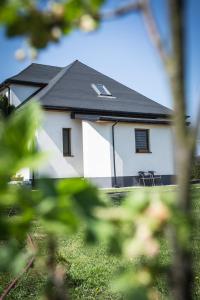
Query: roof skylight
{"x": 101, "y": 90}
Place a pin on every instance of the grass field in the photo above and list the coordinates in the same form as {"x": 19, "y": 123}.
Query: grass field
{"x": 90, "y": 269}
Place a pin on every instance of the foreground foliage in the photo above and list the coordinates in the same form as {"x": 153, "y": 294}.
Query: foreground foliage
{"x": 43, "y": 22}
{"x": 90, "y": 271}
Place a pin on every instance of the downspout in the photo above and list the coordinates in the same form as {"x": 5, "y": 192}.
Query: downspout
{"x": 33, "y": 180}
{"x": 114, "y": 159}
{"x": 35, "y": 147}
{"x": 9, "y": 95}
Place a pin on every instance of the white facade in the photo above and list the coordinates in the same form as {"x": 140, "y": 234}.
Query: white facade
{"x": 92, "y": 146}
{"x": 129, "y": 163}
{"x": 92, "y": 149}
{"x": 198, "y": 143}
{"x": 98, "y": 151}
{"x": 198, "y": 148}
{"x": 49, "y": 140}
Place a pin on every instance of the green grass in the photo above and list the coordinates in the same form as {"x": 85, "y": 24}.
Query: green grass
{"x": 90, "y": 269}
{"x": 132, "y": 188}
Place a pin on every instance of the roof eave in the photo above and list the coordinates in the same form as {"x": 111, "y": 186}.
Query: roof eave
{"x": 101, "y": 118}
{"x": 7, "y": 82}
{"x": 107, "y": 112}
{"x": 25, "y": 82}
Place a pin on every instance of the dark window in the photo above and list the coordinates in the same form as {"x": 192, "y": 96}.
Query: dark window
{"x": 66, "y": 141}
{"x": 142, "y": 140}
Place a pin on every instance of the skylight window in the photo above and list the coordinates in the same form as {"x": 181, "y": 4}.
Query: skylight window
{"x": 101, "y": 90}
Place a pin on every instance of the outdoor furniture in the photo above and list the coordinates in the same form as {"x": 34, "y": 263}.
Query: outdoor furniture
{"x": 144, "y": 177}
{"x": 155, "y": 178}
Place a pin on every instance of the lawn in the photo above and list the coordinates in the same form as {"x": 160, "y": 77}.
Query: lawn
{"x": 90, "y": 269}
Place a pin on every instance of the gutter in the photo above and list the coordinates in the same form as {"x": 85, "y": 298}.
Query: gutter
{"x": 104, "y": 112}
{"x": 99, "y": 118}
{"x": 114, "y": 158}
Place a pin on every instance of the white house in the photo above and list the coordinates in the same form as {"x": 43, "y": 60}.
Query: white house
{"x": 94, "y": 127}
{"x": 198, "y": 144}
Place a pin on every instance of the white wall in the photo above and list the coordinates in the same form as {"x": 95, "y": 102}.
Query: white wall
{"x": 128, "y": 162}
{"x": 97, "y": 149}
{"x": 93, "y": 153}
{"x": 4, "y": 92}
{"x": 19, "y": 93}
{"x": 98, "y": 155}
{"x": 198, "y": 147}
{"x": 25, "y": 173}
{"x": 49, "y": 139}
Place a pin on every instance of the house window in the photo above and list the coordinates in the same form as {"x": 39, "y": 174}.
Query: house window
{"x": 66, "y": 141}
{"x": 101, "y": 90}
{"x": 142, "y": 140}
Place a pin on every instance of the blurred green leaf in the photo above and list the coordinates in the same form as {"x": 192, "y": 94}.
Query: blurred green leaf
{"x": 37, "y": 21}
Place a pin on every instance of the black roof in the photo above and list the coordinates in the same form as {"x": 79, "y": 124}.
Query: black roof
{"x": 36, "y": 73}
{"x": 70, "y": 88}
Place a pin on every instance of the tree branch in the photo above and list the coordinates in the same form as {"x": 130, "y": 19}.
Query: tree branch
{"x": 154, "y": 33}
{"x": 182, "y": 273}
{"x": 142, "y": 6}
{"x": 134, "y": 6}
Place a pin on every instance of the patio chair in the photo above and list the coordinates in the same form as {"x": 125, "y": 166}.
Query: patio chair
{"x": 155, "y": 178}
{"x": 144, "y": 177}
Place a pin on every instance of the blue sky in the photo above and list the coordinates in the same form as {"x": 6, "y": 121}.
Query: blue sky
{"x": 120, "y": 49}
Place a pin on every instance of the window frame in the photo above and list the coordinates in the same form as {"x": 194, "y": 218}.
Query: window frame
{"x": 95, "y": 88}
{"x": 147, "y": 150}
{"x": 68, "y": 152}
